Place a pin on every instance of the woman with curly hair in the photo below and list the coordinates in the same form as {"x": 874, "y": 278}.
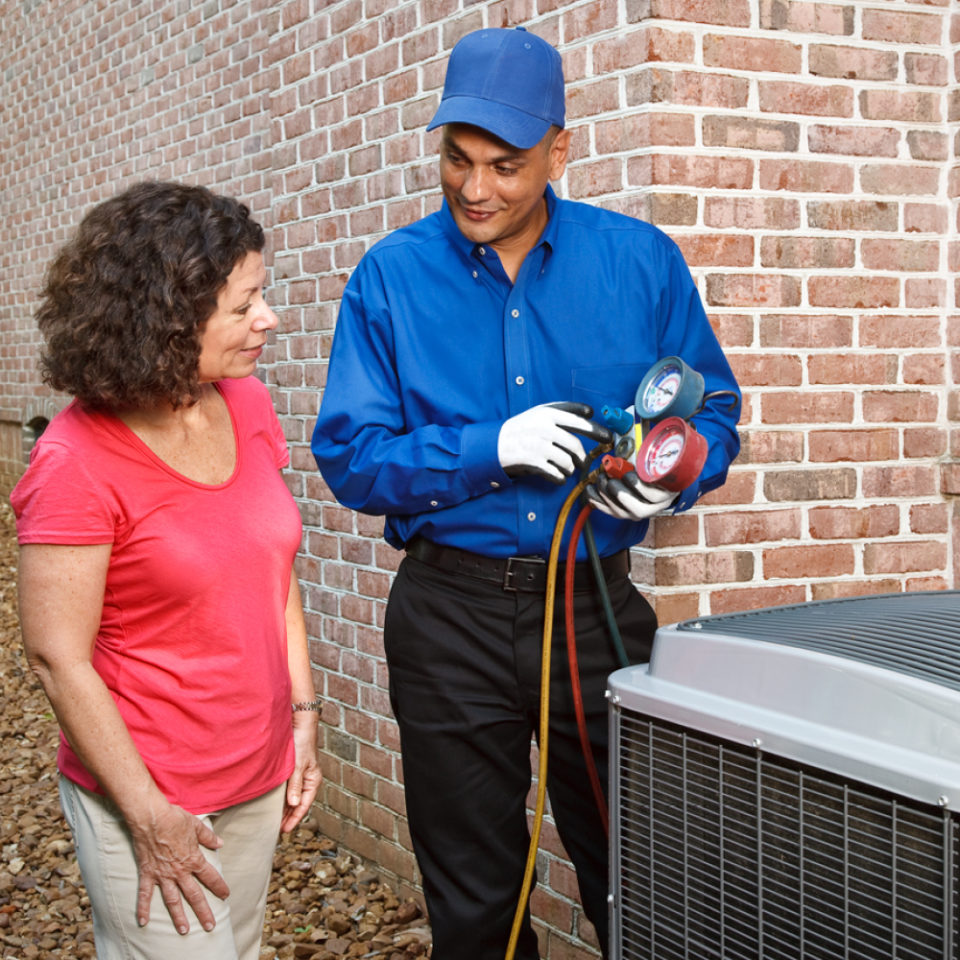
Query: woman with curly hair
{"x": 159, "y": 607}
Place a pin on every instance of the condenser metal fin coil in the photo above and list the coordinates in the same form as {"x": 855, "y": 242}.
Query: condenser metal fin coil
{"x": 785, "y": 785}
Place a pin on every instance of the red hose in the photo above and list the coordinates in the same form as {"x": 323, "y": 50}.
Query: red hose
{"x": 575, "y": 669}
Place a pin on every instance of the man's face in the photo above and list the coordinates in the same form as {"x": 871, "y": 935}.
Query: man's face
{"x": 494, "y": 190}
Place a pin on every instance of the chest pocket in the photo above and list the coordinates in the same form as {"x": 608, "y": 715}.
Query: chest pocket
{"x": 615, "y": 385}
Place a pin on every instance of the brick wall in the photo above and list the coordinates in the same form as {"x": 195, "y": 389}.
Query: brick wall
{"x": 803, "y": 154}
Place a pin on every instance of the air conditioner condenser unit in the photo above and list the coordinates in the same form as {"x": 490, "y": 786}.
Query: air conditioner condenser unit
{"x": 785, "y": 785}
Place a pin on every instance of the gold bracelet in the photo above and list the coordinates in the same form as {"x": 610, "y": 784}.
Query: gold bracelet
{"x": 307, "y": 705}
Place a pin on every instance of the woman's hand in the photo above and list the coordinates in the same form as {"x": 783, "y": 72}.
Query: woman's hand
{"x": 306, "y": 778}
{"x": 166, "y": 845}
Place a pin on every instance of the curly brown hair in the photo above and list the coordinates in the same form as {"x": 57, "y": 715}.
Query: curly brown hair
{"x": 125, "y": 299}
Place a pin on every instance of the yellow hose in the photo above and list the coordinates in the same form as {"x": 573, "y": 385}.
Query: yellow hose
{"x": 544, "y": 712}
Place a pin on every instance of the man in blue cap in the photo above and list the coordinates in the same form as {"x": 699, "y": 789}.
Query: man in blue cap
{"x": 470, "y": 351}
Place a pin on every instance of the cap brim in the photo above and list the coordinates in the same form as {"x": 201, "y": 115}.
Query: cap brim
{"x": 519, "y": 129}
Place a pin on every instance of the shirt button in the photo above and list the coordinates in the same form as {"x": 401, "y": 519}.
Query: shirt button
{"x": 482, "y": 251}
{"x": 514, "y": 313}
{"x": 531, "y": 517}
{"x": 434, "y": 503}
{"x": 494, "y": 484}
{"x": 519, "y": 381}
{"x": 475, "y": 274}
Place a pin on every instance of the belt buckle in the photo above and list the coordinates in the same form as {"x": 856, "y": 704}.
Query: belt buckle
{"x": 509, "y": 573}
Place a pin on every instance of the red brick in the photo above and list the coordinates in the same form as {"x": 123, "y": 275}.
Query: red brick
{"x": 849, "y": 368}
{"x": 805, "y": 176}
{"x": 856, "y": 292}
{"x": 923, "y": 369}
{"x": 752, "y": 213}
{"x": 595, "y": 178}
{"x": 682, "y": 530}
{"x": 806, "y": 331}
{"x": 598, "y": 96}
{"x": 854, "y": 523}
{"x": 806, "y": 17}
{"x": 852, "y": 63}
{"x": 905, "y": 106}
{"x": 673, "y": 208}
{"x": 717, "y": 566}
{"x": 808, "y": 561}
{"x": 831, "y": 446}
{"x": 950, "y": 478}
{"x": 745, "y": 133}
{"x": 924, "y": 442}
{"x": 672, "y": 608}
{"x": 889, "y": 482}
{"x": 785, "y": 96}
{"x": 895, "y": 179}
{"x": 924, "y": 218}
{"x": 725, "y": 173}
{"x": 807, "y": 407}
{"x": 631, "y": 49}
{"x": 855, "y": 588}
{"x": 921, "y": 255}
{"x": 687, "y": 87}
{"x": 770, "y": 446}
{"x": 765, "y": 370}
{"x": 901, "y": 27}
{"x": 761, "y": 290}
{"x": 755, "y": 526}
{"x": 929, "y": 518}
{"x": 899, "y": 406}
{"x": 926, "y": 69}
{"x": 718, "y": 250}
{"x": 852, "y": 215}
{"x": 751, "y": 53}
{"x": 904, "y": 557}
{"x": 733, "y": 330}
{"x": 928, "y": 145}
{"x": 730, "y": 13}
{"x": 805, "y": 252}
{"x": 753, "y": 598}
{"x": 854, "y": 141}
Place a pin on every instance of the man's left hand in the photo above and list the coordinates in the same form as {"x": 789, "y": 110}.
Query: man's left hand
{"x": 629, "y": 498}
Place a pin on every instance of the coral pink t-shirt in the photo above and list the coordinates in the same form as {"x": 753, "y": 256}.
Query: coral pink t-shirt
{"x": 192, "y": 642}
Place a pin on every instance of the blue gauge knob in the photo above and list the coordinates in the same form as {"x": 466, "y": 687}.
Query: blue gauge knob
{"x": 670, "y": 388}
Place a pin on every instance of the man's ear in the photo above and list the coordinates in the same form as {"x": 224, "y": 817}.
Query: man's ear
{"x": 559, "y": 151}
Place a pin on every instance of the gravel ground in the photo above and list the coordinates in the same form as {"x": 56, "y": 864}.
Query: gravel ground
{"x": 323, "y": 904}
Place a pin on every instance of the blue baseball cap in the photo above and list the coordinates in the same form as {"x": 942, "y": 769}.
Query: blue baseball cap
{"x": 507, "y": 82}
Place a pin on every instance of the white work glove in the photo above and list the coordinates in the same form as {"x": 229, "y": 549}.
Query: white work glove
{"x": 541, "y": 440}
{"x": 629, "y": 498}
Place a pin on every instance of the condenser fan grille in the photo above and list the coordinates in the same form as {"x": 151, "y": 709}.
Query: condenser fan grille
{"x": 729, "y": 853}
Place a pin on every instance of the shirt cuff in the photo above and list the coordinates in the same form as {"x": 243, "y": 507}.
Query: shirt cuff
{"x": 688, "y": 497}
{"x": 481, "y": 465}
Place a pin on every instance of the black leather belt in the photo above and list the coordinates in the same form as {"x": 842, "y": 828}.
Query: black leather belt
{"x": 524, "y": 574}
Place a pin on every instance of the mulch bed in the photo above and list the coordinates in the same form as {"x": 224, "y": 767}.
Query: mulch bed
{"x": 324, "y": 904}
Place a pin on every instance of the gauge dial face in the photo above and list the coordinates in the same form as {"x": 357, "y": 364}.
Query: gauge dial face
{"x": 664, "y": 452}
{"x": 661, "y": 390}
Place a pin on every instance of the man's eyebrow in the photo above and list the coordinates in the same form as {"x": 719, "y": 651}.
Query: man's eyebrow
{"x": 509, "y": 156}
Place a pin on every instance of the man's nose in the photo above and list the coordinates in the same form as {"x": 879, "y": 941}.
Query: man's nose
{"x": 476, "y": 185}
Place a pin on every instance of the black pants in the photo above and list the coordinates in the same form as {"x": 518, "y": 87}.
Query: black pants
{"x": 464, "y": 658}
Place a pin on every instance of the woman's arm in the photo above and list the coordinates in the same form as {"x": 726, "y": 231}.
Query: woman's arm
{"x": 306, "y": 777}
{"x": 61, "y": 601}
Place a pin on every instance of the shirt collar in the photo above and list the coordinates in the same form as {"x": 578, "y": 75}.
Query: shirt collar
{"x": 468, "y": 249}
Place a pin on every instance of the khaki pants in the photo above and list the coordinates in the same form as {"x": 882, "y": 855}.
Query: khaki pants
{"x": 105, "y": 853}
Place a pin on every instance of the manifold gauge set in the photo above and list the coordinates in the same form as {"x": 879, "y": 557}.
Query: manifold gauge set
{"x": 664, "y": 448}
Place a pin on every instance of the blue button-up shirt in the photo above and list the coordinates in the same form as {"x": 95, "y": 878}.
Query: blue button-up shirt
{"x": 435, "y": 348}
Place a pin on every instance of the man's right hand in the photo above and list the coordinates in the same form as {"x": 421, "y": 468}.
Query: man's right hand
{"x": 541, "y": 440}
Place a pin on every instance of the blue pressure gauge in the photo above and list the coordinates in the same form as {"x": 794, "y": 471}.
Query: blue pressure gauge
{"x": 669, "y": 389}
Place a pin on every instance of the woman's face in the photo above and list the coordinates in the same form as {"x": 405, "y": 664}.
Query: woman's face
{"x": 232, "y": 339}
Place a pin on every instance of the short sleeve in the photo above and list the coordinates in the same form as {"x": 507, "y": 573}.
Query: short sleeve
{"x": 57, "y": 501}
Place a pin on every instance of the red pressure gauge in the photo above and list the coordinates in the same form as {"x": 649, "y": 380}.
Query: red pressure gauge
{"x": 672, "y": 455}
